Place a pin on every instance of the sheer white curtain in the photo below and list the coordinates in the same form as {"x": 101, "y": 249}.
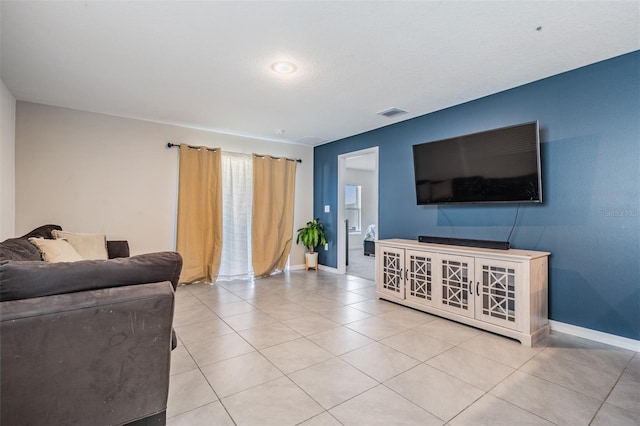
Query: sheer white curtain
{"x": 237, "y": 184}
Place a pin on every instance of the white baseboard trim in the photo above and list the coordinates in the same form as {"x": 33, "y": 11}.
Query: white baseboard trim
{"x": 320, "y": 267}
{"x": 296, "y": 267}
{"x": 598, "y": 336}
{"x": 328, "y": 269}
{"x": 573, "y": 330}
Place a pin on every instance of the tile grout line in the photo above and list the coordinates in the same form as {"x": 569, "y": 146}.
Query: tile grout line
{"x": 313, "y": 286}
{"x": 287, "y": 375}
{"x": 604, "y": 401}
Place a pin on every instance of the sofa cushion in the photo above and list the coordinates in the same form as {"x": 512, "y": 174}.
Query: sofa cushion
{"x": 118, "y": 249}
{"x": 24, "y": 280}
{"x": 21, "y": 248}
{"x": 18, "y": 249}
{"x": 55, "y": 250}
{"x": 89, "y": 246}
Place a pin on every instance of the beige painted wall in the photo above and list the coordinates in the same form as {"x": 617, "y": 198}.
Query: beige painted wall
{"x": 7, "y": 163}
{"x": 92, "y": 172}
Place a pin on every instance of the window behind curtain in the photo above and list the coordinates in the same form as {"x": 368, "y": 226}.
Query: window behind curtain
{"x": 237, "y": 194}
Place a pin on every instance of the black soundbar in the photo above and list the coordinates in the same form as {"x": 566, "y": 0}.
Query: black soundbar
{"x": 499, "y": 245}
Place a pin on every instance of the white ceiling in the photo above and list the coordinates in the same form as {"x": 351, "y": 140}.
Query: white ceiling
{"x": 207, "y": 64}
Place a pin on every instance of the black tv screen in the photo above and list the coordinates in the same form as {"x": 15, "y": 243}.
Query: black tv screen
{"x": 495, "y": 166}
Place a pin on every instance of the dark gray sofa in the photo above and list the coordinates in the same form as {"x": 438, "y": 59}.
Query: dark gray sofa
{"x": 87, "y": 342}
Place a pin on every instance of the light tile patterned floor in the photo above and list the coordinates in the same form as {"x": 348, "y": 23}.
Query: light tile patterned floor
{"x": 315, "y": 348}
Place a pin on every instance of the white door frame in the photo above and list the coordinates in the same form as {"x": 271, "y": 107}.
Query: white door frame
{"x": 342, "y": 235}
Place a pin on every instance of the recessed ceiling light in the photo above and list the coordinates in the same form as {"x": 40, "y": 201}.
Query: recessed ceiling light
{"x": 283, "y": 67}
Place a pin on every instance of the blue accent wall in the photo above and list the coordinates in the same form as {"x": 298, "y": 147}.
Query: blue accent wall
{"x": 590, "y": 216}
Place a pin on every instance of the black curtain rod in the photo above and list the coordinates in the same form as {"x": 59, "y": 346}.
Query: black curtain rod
{"x": 171, "y": 145}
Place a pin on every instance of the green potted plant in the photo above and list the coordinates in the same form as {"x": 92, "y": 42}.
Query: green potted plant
{"x": 311, "y": 235}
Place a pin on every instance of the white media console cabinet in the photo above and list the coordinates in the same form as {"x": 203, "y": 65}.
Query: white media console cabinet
{"x": 501, "y": 291}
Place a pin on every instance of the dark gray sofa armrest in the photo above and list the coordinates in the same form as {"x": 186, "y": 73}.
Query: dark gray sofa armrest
{"x": 91, "y": 357}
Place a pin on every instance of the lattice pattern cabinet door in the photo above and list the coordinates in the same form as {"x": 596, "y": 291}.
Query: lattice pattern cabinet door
{"x": 420, "y": 277}
{"x": 500, "y": 292}
{"x": 391, "y": 271}
{"x": 456, "y": 284}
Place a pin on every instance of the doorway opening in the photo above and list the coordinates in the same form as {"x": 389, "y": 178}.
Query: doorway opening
{"x": 357, "y": 212}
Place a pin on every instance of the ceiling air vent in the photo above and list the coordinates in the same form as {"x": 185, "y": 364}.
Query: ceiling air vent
{"x": 392, "y": 112}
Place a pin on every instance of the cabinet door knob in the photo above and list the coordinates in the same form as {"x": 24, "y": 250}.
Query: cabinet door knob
{"x": 477, "y": 284}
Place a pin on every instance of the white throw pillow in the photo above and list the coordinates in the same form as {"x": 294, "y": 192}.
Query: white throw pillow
{"x": 89, "y": 246}
{"x": 55, "y": 250}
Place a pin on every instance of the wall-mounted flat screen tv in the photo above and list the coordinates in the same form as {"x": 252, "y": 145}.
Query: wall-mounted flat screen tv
{"x": 495, "y": 166}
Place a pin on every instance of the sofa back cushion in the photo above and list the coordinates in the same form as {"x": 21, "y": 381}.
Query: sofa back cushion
{"x": 25, "y": 280}
{"x": 21, "y": 248}
{"x": 89, "y": 246}
{"x": 18, "y": 249}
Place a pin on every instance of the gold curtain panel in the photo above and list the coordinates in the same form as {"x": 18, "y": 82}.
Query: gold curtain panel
{"x": 199, "y": 238}
{"x": 272, "y": 214}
